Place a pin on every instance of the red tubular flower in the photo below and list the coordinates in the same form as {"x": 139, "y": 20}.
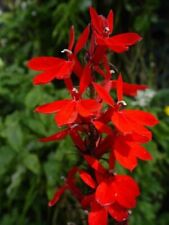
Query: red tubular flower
{"x": 126, "y": 121}
{"x": 114, "y": 194}
{"x": 127, "y": 152}
{"x": 57, "y": 68}
{"x": 97, "y": 124}
{"x": 68, "y": 185}
{"x": 52, "y": 67}
{"x": 67, "y": 110}
{"x": 103, "y": 27}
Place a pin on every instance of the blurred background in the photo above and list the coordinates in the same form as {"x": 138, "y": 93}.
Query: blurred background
{"x": 29, "y": 170}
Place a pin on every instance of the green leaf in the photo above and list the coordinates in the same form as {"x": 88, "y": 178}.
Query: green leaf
{"x": 6, "y": 156}
{"x": 32, "y": 163}
{"x": 13, "y": 134}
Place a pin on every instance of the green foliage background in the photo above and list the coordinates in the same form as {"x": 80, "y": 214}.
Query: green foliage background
{"x": 30, "y": 170}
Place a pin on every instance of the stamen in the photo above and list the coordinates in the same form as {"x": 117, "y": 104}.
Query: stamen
{"x": 106, "y": 29}
{"x": 130, "y": 212}
{"x": 75, "y": 90}
{"x": 122, "y": 102}
{"x": 112, "y": 71}
{"x": 66, "y": 50}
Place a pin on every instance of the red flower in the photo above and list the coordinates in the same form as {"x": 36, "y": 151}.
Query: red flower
{"x": 68, "y": 185}
{"x": 52, "y": 67}
{"x": 67, "y": 110}
{"x": 114, "y": 194}
{"x": 127, "y": 152}
{"x": 126, "y": 121}
{"x": 98, "y": 124}
{"x": 57, "y": 68}
{"x": 103, "y": 27}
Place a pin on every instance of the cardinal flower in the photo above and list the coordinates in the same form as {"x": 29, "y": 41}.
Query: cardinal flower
{"x": 58, "y": 68}
{"x": 103, "y": 27}
{"x": 69, "y": 184}
{"x": 126, "y": 121}
{"x": 68, "y": 110}
{"x": 113, "y": 194}
{"x": 127, "y": 151}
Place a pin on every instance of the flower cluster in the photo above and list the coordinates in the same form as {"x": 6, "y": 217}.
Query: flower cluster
{"x": 101, "y": 127}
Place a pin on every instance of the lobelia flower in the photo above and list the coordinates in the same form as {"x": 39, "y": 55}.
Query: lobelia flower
{"x": 103, "y": 27}
{"x": 68, "y": 110}
{"x": 112, "y": 194}
{"x": 97, "y": 124}
{"x": 126, "y": 149}
{"x": 57, "y": 68}
{"x": 69, "y": 184}
{"x": 125, "y": 142}
{"x": 126, "y": 121}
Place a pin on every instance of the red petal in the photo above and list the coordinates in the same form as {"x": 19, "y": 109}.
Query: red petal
{"x": 55, "y": 137}
{"x": 110, "y": 19}
{"x": 87, "y": 107}
{"x": 44, "y": 63}
{"x": 61, "y": 71}
{"x": 69, "y": 84}
{"x": 44, "y": 78}
{"x": 121, "y": 42}
{"x": 105, "y": 192}
{"x": 84, "y": 112}
{"x": 124, "y": 153}
{"x": 95, "y": 164}
{"x": 127, "y": 161}
{"x": 118, "y": 48}
{"x": 95, "y": 20}
{"x": 87, "y": 179}
{"x": 129, "y": 183}
{"x": 138, "y": 137}
{"x": 103, "y": 94}
{"x": 91, "y": 105}
{"x": 102, "y": 128}
{"x": 82, "y": 40}
{"x": 77, "y": 69}
{"x": 52, "y": 107}
{"x": 126, "y": 38}
{"x": 120, "y": 88}
{"x": 129, "y": 89}
{"x": 142, "y": 117}
{"x": 57, "y": 195}
{"x": 127, "y": 191}
{"x": 85, "y": 79}
{"x": 127, "y": 124}
{"x": 118, "y": 212}
{"x": 98, "y": 215}
{"x": 65, "y": 70}
{"x": 141, "y": 152}
{"x": 67, "y": 115}
{"x": 71, "y": 37}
